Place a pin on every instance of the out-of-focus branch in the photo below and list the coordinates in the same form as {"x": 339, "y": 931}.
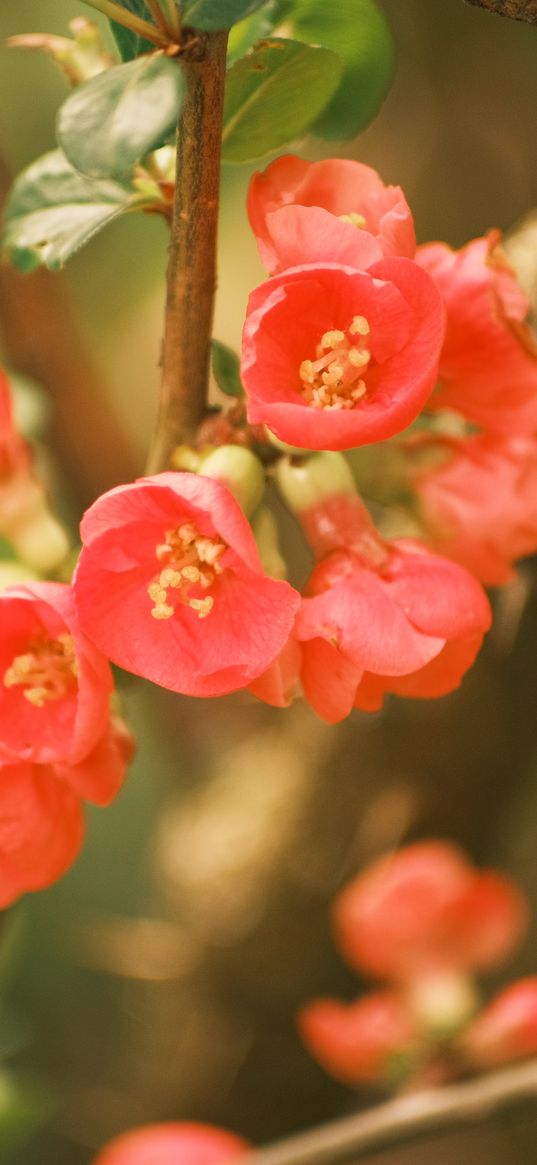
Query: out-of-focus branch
{"x": 516, "y": 9}
{"x": 40, "y": 339}
{"x": 405, "y": 1119}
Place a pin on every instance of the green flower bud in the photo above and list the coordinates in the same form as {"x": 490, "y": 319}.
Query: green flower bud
{"x": 239, "y": 470}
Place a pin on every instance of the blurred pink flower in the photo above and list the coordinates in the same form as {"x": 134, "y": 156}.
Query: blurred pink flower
{"x": 507, "y": 1029}
{"x": 488, "y": 364}
{"x": 172, "y": 1143}
{"x": 359, "y": 1041}
{"x": 425, "y": 910}
{"x": 479, "y": 503}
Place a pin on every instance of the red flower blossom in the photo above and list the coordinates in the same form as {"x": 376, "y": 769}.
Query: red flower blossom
{"x": 170, "y": 586}
{"x": 173, "y": 1142}
{"x": 348, "y": 191}
{"x": 411, "y": 624}
{"x": 507, "y": 1029}
{"x": 334, "y": 357}
{"x": 41, "y": 828}
{"x": 424, "y": 911}
{"x": 488, "y": 364}
{"x": 359, "y": 1041}
{"x": 479, "y": 503}
{"x": 41, "y": 820}
{"x": 55, "y": 685}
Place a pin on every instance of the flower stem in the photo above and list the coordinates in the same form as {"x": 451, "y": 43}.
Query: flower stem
{"x": 129, "y": 20}
{"x": 191, "y": 278}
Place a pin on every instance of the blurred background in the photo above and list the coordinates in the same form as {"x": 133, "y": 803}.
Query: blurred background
{"x": 160, "y": 978}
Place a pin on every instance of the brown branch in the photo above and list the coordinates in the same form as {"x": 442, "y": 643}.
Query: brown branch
{"x": 405, "y": 1119}
{"x": 40, "y": 339}
{"x": 191, "y": 279}
{"x": 516, "y": 9}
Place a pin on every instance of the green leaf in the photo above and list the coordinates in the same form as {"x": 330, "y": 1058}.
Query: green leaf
{"x": 274, "y": 94}
{"x": 226, "y": 369}
{"x": 129, "y": 43}
{"x": 245, "y": 34}
{"x": 210, "y": 14}
{"x": 52, "y": 211}
{"x": 358, "y": 32}
{"x": 118, "y": 117}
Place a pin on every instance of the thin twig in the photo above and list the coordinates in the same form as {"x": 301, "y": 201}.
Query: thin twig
{"x": 129, "y": 20}
{"x": 157, "y": 14}
{"x": 516, "y": 9}
{"x": 191, "y": 279}
{"x": 407, "y": 1118}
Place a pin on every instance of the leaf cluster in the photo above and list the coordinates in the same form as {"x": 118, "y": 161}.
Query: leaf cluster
{"x": 294, "y": 66}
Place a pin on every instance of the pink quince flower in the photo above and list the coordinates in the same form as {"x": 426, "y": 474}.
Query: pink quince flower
{"x": 54, "y": 684}
{"x": 410, "y": 624}
{"x": 41, "y": 819}
{"x": 170, "y": 586}
{"x": 347, "y": 192}
{"x": 335, "y": 357}
{"x": 359, "y": 1041}
{"x": 424, "y": 911}
{"x": 507, "y": 1029}
{"x": 488, "y": 364}
{"x": 478, "y": 504}
{"x": 41, "y": 828}
{"x": 172, "y": 1142}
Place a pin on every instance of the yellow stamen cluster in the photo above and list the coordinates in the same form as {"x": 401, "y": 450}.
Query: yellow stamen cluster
{"x": 47, "y": 671}
{"x": 188, "y": 559}
{"x": 333, "y": 380}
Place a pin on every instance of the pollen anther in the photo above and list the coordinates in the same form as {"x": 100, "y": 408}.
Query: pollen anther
{"x": 333, "y": 380}
{"x": 190, "y": 559}
{"x": 46, "y": 672}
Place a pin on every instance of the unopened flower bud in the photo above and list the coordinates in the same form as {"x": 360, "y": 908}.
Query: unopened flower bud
{"x": 442, "y": 1004}
{"x": 240, "y": 471}
{"x": 38, "y": 538}
{"x": 313, "y": 480}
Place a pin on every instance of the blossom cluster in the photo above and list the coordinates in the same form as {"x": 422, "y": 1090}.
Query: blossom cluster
{"x": 61, "y": 742}
{"x": 423, "y": 921}
{"x": 355, "y": 335}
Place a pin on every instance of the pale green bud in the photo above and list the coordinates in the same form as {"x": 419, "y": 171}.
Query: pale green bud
{"x": 310, "y": 482}
{"x": 238, "y": 469}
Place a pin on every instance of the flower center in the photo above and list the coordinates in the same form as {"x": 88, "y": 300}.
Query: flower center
{"x": 48, "y": 670}
{"x": 188, "y": 559}
{"x": 334, "y": 379}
